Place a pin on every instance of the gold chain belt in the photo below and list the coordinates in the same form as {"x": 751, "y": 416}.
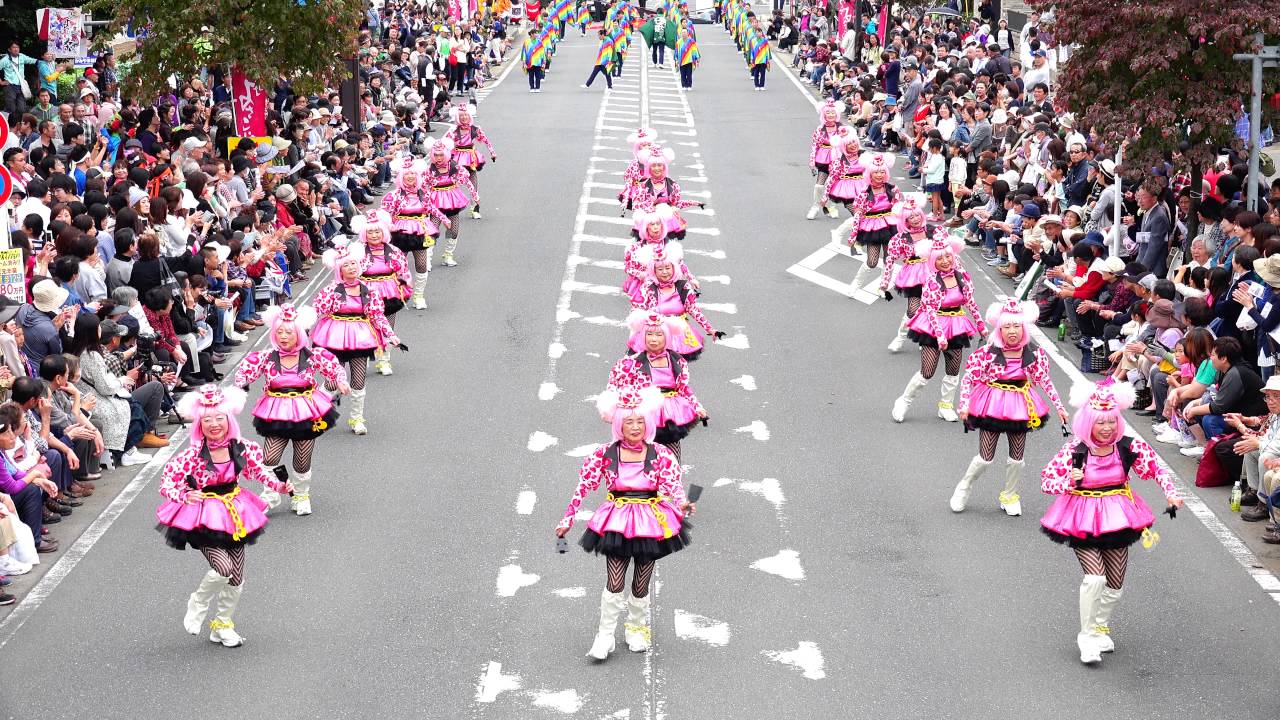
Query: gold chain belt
{"x": 226, "y": 501}
{"x": 874, "y": 215}
{"x": 411, "y": 217}
{"x": 349, "y": 318}
{"x": 957, "y": 312}
{"x": 442, "y": 188}
{"x": 619, "y": 502}
{"x": 379, "y": 278}
{"x": 915, "y": 261}
{"x": 670, "y": 393}
{"x": 1033, "y": 420}
{"x": 291, "y": 393}
{"x": 1125, "y": 491}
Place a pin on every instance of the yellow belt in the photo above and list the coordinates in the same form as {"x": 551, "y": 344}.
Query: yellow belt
{"x": 670, "y": 393}
{"x": 349, "y": 318}
{"x": 1125, "y": 491}
{"x": 690, "y": 337}
{"x": 1033, "y": 420}
{"x": 442, "y": 188}
{"x": 463, "y": 147}
{"x": 886, "y": 213}
{"x": 290, "y": 393}
{"x": 226, "y": 501}
{"x": 379, "y": 278}
{"x": 411, "y": 217}
{"x": 854, "y": 176}
{"x": 915, "y": 261}
{"x": 618, "y": 502}
{"x": 959, "y": 312}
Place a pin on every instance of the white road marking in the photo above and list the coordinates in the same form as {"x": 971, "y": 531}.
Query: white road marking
{"x": 746, "y": 382}
{"x": 555, "y": 350}
{"x": 737, "y": 342}
{"x": 566, "y": 701}
{"x": 721, "y": 482}
{"x": 807, "y": 657}
{"x": 493, "y": 683}
{"x": 726, "y": 308}
{"x": 582, "y": 450}
{"x": 758, "y": 430}
{"x": 623, "y": 714}
{"x": 768, "y": 488}
{"x": 525, "y": 502}
{"x": 786, "y": 564}
{"x": 719, "y": 279}
{"x": 696, "y": 627}
{"x": 511, "y": 578}
{"x": 539, "y": 441}
{"x": 547, "y": 390}
{"x": 570, "y": 592}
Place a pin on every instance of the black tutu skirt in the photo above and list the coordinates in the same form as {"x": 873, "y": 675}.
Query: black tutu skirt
{"x": 672, "y": 433}
{"x": 391, "y": 306}
{"x": 408, "y": 243}
{"x": 911, "y": 292}
{"x": 304, "y": 430}
{"x": 981, "y": 422}
{"x": 823, "y": 168}
{"x": 1106, "y": 541}
{"x": 879, "y": 237}
{"x": 349, "y": 355}
{"x": 616, "y": 545}
{"x": 204, "y": 538}
{"x": 955, "y": 343}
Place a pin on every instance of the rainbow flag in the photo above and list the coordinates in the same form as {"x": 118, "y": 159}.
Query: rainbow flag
{"x": 582, "y": 14}
{"x": 760, "y": 51}
{"x": 689, "y": 51}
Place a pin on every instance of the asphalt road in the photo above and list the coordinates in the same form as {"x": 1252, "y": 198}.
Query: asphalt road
{"x": 828, "y": 576}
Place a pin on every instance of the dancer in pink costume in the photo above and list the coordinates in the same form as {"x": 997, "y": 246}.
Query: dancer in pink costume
{"x": 205, "y": 506}
{"x": 941, "y": 326}
{"x": 642, "y": 519}
{"x": 386, "y": 270}
{"x": 1096, "y": 512}
{"x": 658, "y": 189}
{"x": 909, "y": 281}
{"x": 657, "y": 365}
{"x": 640, "y": 140}
{"x": 352, "y": 325}
{"x": 415, "y": 221}
{"x": 465, "y": 135}
{"x": 667, "y": 292}
{"x": 449, "y": 185}
{"x": 650, "y": 229}
{"x": 998, "y": 396}
{"x": 847, "y": 178}
{"x": 821, "y": 156}
{"x": 874, "y": 223}
{"x": 293, "y": 407}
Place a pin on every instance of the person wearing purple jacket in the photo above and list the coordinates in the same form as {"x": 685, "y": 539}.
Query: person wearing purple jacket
{"x": 26, "y": 489}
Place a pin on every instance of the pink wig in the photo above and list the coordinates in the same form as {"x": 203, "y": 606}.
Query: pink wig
{"x": 374, "y": 218}
{"x": 457, "y": 111}
{"x": 212, "y": 400}
{"x": 1011, "y": 310}
{"x": 656, "y": 155}
{"x": 910, "y": 215}
{"x": 828, "y": 107}
{"x": 301, "y": 319}
{"x": 1107, "y": 399}
{"x": 334, "y": 258}
{"x": 616, "y": 406}
{"x": 440, "y": 145}
{"x": 660, "y": 215}
{"x": 652, "y": 255}
{"x": 940, "y": 244}
{"x": 641, "y": 321}
{"x": 409, "y": 164}
{"x": 842, "y": 138}
{"x": 877, "y": 161}
{"x": 641, "y": 138}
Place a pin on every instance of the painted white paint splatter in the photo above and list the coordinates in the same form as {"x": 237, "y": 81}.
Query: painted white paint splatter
{"x": 737, "y": 342}
{"x": 564, "y": 315}
{"x": 493, "y": 683}
{"x": 566, "y": 701}
{"x": 547, "y": 390}
{"x": 556, "y": 350}
{"x": 624, "y": 714}
{"x": 747, "y": 382}
{"x": 807, "y": 657}
{"x": 525, "y": 502}
{"x": 696, "y": 627}
{"x": 539, "y": 441}
{"x": 582, "y": 450}
{"x": 511, "y": 578}
{"x": 768, "y": 488}
{"x": 570, "y": 592}
{"x": 757, "y": 428}
{"x": 724, "y": 481}
{"x": 593, "y": 354}
{"x": 785, "y": 564}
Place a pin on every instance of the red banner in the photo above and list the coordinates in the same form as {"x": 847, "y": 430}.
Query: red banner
{"x": 882, "y": 25}
{"x": 250, "y": 103}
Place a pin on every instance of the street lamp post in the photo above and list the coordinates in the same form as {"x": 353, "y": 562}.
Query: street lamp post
{"x": 1266, "y": 56}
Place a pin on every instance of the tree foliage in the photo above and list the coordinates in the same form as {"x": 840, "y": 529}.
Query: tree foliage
{"x": 1158, "y": 73}
{"x": 303, "y": 40}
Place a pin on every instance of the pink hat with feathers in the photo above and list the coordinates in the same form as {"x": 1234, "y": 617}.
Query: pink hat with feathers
{"x": 642, "y": 136}
{"x": 640, "y": 321}
{"x": 212, "y": 400}
{"x": 652, "y": 254}
{"x": 844, "y": 136}
{"x": 874, "y": 161}
{"x": 656, "y": 154}
{"x": 302, "y": 318}
{"x": 941, "y": 242}
{"x": 1107, "y": 399}
{"x": 337, "y": 256}
{"x": 617, "y": 404}
{"x": 1011, "y": 310}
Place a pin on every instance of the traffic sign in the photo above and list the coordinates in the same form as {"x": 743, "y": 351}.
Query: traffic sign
{"x": 4, "y": 131}
{"x": 6, "y": 184}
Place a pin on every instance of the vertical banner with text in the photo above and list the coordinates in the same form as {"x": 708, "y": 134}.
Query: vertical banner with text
{"x": 250, "y": 105}
{"x": 12, "y": 278}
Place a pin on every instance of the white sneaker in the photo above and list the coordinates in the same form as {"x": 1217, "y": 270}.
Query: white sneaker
{"x": 383, "y": 366}
{"x": 419, "y": 302}
{"x": 1160, "y": 428}
{"x": 357, "y": 426}
{"x": 1187, "y": 441}
{"x": 1170, "y": 436}
{"x": 9, "y": 566}
{"x": 813, "y": 212}
{"x": 475, "y": 215}
{"x": 134, "y": 457}
{"x": 448, "y": 260}
{"x": 832, "y": 212}
{"x": 1192, "y": 451}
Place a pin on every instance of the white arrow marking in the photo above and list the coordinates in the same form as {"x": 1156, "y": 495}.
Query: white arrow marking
{"x": 511, "y": 578}
{"x": 768, "y": 488}
{"x": 582, "y": 450}
{"x": 785, "y": 564}
{"x": 737, "y": 342}
{"x": 556, "y": 350}
{"x": 493, "y": 683}
{"x": 566, "y": 701}
{"x": 525, "y": 502}
{"x": 697, "y": 627}
{"x": 724, "y": 481}
{"x": 807, "y": 657}
{"x": 539, "y": 441}
{"x": 757, "y": 428}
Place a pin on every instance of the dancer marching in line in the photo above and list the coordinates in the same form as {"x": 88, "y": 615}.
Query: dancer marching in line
{"x": 205, "y": 506}
{"x": 998, "y": 396}
{"x": 669, "y": 293}
{"x": 1096, "y": 512}
{"x": 874, "y": 226}
{"x": 657, "y": 189}
{"x": 465, "y": 136}
{"x": 386, "y": 270}
{"x": 640, "y": 140}
{"x": 293, "y": 408}
{"x": 909, "y": 281}
{"x": 446, "y": 181}
{"x": 820, "y": 158}
{"x": 415, "y": 221}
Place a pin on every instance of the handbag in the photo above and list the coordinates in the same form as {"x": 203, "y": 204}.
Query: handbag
{"x": 168, "y": 281}
{"x": 1211, "y": 472}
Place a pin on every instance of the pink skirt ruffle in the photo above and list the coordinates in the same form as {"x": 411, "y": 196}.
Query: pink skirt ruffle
{"x": 910, "y": 275}
{"x": 676, "y": 409}
{"x": 212, "y": 515}
{"x": 415, "y": 227}
{"x": 1080, "y": 517}
{"x": 634, "y": 520}
{"x": 998, "y": 404}
{"x": 468, "y": 158}
{"x": 689, "y": 339}
{"x": 295, "y": 409}
{"x": 952, "y": 325}
{"x": 845, "y": 191}
{"x": 344, "y": 335}
{"x": 822, "y": 156}
{"x": 874, "y": 224}
{"x": 455, "y": 199}
{"x": 390, "y": 289}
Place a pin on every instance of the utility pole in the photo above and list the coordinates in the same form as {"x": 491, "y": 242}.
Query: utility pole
{"x": 1267, "y": 56}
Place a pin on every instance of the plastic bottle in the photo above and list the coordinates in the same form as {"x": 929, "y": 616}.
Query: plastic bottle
{"x": 1236, "y": 494}
{"x": 1062, "y": 330}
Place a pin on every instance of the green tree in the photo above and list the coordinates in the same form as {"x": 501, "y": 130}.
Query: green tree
{"x": 303, "y": 40}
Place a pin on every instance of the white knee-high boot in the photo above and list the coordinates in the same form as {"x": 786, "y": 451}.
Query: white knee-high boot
{"x": 960, "y": 498}
{"x": 914, "y": 386}
{"x": 859, "y": 280}
{"x": 611, "y": 607}
{"x": 301, "y": 500}
{"x": 1087, "y": 640}
{"x": 356, "y": 421}
{"x": 1010, "y": 501}
{"x": 269, "y": 496}
{"x": 843, "y": 231}
{"x": 817, "y": 202}
{"x": 198, "y": 603}
{"x": 221, "y": 628}
{"x": 636, "y": 629}
{"x": 946, "y": 405}
{"x": 419, "y": 299}
{"x": 1101, "y": 624}
{"x": 896, "y": 343}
